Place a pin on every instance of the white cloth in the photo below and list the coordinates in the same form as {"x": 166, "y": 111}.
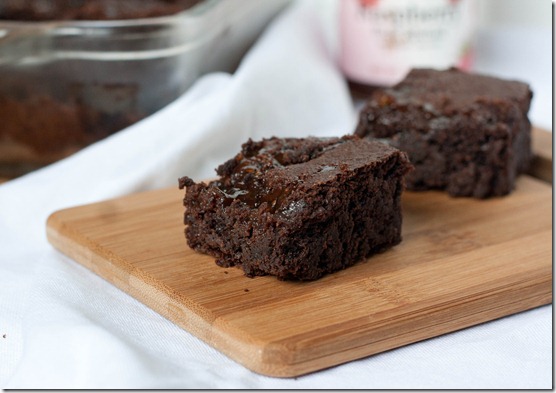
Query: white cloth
{"x": 65, "y": 327}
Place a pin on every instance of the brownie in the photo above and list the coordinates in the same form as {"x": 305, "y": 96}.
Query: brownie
{"x": 464, "y": 133}
{"x": 298, "y": 208}
{"x": 43, "y": 10}
{"x": 52, "y": 111}
{"x": 38, "y": 129}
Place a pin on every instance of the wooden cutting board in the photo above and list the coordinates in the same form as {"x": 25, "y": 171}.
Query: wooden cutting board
{"x": 462, "y": 262}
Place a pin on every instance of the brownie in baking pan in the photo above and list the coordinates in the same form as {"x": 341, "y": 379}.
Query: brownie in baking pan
{"x": 298, "y": 208}
{"x": 464, "y": 133}
{"x": 43, "y": 10}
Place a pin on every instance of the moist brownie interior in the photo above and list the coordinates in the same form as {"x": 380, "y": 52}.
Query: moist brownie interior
{"x": 298, "y": 208}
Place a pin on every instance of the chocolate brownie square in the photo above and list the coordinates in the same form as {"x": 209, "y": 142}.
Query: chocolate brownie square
{"x": 464, "y": 133}
{"x": 298, "y": 208}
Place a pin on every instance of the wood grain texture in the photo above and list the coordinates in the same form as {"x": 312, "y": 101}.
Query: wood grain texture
{"x": 462, "y": 262}
{"x": 541, "y": 144}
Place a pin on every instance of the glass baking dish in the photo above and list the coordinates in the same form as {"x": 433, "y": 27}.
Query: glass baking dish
{"x": 66, "y": 84}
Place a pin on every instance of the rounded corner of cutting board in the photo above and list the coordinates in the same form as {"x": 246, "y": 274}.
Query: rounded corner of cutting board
{"x": 54, "y": 222}
{"x": 275, "y": 361}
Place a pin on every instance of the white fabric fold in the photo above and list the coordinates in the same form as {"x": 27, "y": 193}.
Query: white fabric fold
{"x": 67, "y": 328}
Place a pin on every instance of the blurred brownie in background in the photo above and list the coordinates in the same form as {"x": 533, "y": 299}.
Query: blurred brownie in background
{"x": 465, "y": 133}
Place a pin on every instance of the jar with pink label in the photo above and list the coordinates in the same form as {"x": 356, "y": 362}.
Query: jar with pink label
{"x": 381, "y": 40}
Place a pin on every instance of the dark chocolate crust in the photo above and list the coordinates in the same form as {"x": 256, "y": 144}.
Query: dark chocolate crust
{"x": 298, "y": 208}
{"x": 464, "y": 133}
